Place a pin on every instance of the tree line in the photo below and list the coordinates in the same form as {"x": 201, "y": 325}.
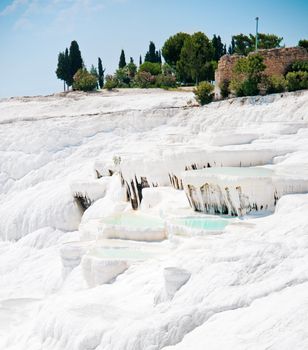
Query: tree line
{"x": 188, "y": 60}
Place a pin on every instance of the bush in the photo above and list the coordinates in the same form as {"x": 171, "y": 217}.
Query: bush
{"x": 247, "y": 87}
{"x": 204, "y": 92}
{"x": 144, "y": 79}
{"x": 247, "y": 75}
{"x": 150, "y": 67}
{"x": 165, "y": 81}
{"x": 84, "y": 81}
{"x": 273, "y": 84}
{"x": 297, "y": 80}
{"x": 167, "y": 69}
{"x": 224, "y": 89}
{"x": 303, "y": 43}
{"x": 299, "y": 66}
{"x": 122, "y": 77}
{"x": 110, "y": 82}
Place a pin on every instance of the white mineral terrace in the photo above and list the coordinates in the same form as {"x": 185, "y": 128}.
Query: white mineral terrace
{"x": 80, "y": 269}
{"x": 239, "y": 190}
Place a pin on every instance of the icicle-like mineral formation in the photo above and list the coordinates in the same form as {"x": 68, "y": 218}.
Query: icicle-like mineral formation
{"x": 238, "y": 191}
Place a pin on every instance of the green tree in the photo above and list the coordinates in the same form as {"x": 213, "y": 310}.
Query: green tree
{"x": 60, "y": 71}
{"x": 152, "y": 68}
{"x": 303, "y": 43}
{"x": 195, "y": 58}
{"x": 266, "y": 41}
{"x": 63, "y": 68}
{"x": 122, "y": 61}
{"x": 131, "y": 69}
{"x": 172, "y": 47}
{"x": 140, "y": 60}
{"x": 93, "y": 71}
{"x": 122, "y": 76}
{"x": 152, "y": 55}
{"x": 218, "y": 46}
{"x": 158, "y": 56}
{"x": 75, "y": 61}
{"x": 101, "y": 73}
{"x": 243, "y": 44}
{"x": 231, "y": 47}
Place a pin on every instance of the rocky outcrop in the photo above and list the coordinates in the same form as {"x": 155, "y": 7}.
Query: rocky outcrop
{"x": 277, "y": 62}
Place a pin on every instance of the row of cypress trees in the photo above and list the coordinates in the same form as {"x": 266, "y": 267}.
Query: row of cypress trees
{"x": 152, "y": 55}
{"x": 70, "y": 61}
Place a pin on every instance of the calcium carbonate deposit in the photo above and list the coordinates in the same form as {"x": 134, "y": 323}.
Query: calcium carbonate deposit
{"x": 133, "y": 220}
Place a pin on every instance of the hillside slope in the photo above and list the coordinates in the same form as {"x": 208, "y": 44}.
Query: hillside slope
{"x": 248, "y": 285}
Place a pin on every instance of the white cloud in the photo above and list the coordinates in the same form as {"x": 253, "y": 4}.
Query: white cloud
{"x": 13, "y": 6}
{"x": 63, "y": 13}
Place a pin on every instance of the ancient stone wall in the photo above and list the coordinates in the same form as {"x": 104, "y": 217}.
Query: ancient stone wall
{"x": 277, "y": 62}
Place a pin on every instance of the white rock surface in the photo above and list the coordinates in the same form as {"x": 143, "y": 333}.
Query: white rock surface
{"x": 248, "y": 286}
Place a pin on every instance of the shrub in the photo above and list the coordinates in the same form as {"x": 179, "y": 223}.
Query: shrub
{"x": 204, "y": 92}
{"x": 303, "y": 43}
{"x": 84, "y": 81}
{"x": 247, "y": 74}
{"x": 224, "y": 88}
{"x": 150, "y": 67}
{"x": 299, "y": 66}
{"x": 110, "y": 82}
{"x": 246, "y": 87}
{"x": 144, "y": 79}
{"x": 273, "y": 84}
{"x": 166, "y": 81}
{"x": 167, "y": 69}
{"x": 297, "y": 80}
{"x": 122, "y": 77}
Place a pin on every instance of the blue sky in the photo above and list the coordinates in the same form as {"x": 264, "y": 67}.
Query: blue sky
{"x": 34, "y": 31}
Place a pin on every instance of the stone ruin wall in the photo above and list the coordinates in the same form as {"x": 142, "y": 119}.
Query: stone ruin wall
{"x": 276, "y": 60}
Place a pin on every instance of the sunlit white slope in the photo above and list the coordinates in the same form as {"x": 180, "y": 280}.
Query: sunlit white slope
{"x": 247, "y": 285}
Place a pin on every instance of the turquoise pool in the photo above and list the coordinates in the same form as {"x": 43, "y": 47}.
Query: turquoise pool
{"x": 202, "y": 223}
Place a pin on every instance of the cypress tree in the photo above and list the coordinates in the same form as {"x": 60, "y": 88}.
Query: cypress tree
{"x": 152, "y": 54}
{"x": 140, "y": 60}
{"x": 122, "y": 62}
{"x": 75, "y": 59}
{"x": 67, "y": 67}
{"x": 101, "y": 72}
{"x": 218, "y": 47}
{"x": 159, "y": 57}
{"x": 60, "y": 71}
{"x": 231, "y": 47}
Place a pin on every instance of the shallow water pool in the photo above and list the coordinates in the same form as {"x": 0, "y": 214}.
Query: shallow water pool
{"x": 200, "y": 223}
